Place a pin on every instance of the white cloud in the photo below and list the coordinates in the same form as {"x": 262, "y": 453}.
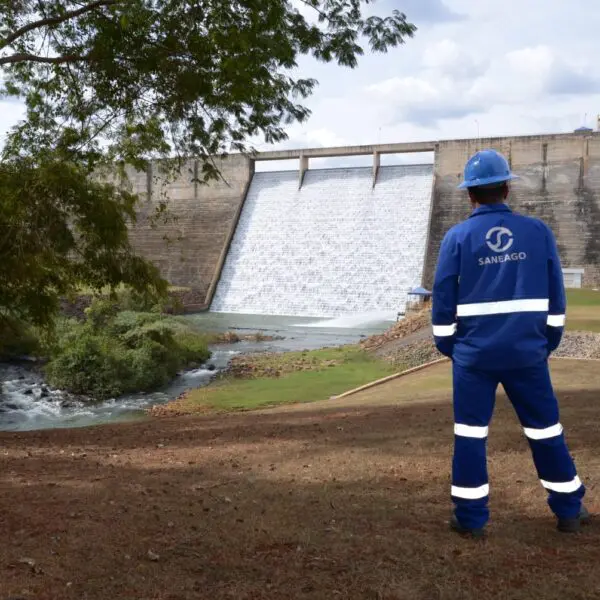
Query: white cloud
{"x": 445, "y": 54}
{"x": 324, "y": 137}
{"x": 422, "y": 11}
{"x": 524, "y": 79}
{"x": 413, "y": 89}
{"x": 422, "y": 99}
{"x": 448, "y": 57}
{"x": 519, "y": 75}
{"x": 531, "y": 74}
{"x": 531, "y": 61}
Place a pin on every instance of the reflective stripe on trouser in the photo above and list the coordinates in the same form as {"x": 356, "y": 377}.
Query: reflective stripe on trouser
{"x": 474, "y": 396}
{"x": 531, "y": 394}
{"x": 537, "y": 408}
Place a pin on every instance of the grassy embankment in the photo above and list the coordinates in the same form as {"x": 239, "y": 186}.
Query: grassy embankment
{"x": 287, "y": 378}
{"x": 317, "y": 375}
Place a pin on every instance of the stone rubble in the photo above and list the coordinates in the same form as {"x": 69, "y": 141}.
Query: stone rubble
{"x": 400, "y": 330}
{"x": 409, "y": 343}
{"x": 579, "y": 344}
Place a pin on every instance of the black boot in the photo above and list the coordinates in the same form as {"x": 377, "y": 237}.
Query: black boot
{"x": 458, "y": 528}
{"x": 574, "y": 525}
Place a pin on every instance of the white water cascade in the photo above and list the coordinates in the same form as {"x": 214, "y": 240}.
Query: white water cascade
{"x": 337, "y": 246}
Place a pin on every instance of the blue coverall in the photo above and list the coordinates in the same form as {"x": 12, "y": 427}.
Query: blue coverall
{"x": 499, "y": 311}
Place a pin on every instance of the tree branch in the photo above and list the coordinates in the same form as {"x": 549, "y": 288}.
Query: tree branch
{"x": 56, "y": 20}
{"x": 51, "y": 60}
{"x": 316, "y": 8}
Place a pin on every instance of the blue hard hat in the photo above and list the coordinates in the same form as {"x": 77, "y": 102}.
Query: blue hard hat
{"x": 486, "y": 167}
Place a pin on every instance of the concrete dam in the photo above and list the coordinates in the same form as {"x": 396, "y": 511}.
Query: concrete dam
{"x": 332, "y": 242}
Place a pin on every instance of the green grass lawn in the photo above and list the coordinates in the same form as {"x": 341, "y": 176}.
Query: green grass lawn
{"x": 583, "y": 310}
{"x": 583, "y": 297}
{"x": 332, "y": 371}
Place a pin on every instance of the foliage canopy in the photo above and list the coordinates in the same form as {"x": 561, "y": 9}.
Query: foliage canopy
{"x": 113, "y": 82}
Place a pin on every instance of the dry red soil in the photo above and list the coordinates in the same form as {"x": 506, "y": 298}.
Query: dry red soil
{"x": 342, "y": 502}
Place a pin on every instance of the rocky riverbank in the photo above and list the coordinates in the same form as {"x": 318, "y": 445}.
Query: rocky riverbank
{"x": 417, "y": 322}
{"x": 23, "y": 388}
{"x": 276, "y": 364}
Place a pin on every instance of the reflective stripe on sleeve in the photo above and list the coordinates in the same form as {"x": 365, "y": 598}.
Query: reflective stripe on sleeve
{"x": 543, "y": 434}
{"x": 502, "y": 308}
{"x": 471, "y": 493}
{"x": 444, "y": 330}
{"x": 565, "y": 487}
{"x": 556, "y": 320}
{"x": 470, "y": 431}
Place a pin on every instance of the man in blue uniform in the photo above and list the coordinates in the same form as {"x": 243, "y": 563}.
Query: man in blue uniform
{"x": 498, "y": 312}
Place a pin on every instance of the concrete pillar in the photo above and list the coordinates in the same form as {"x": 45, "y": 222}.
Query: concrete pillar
{"x": 545, "y": 170}
{"x": 376, "y": 166}
{"x": 583, "y": 162}
{"x": 303, "y": 169}
{"x": 436, "y": 159}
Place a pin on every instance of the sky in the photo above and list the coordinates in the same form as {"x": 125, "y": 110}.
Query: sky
{"x": 474, "y": 68}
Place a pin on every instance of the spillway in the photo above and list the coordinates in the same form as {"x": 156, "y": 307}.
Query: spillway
{"x": 335, "y": 247}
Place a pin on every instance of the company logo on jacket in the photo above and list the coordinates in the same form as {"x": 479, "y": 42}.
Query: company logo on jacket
{"x": 500, "y": 239}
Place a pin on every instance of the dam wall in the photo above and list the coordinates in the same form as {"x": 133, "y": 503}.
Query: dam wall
{"x": 559, "y": 183}
{"x": 189, "y": 247}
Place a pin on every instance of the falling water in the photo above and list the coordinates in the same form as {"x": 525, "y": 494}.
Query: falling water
{"x": 338, "y": 246}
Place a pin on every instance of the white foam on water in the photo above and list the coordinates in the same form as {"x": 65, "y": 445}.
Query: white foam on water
{"x": 338, "y": 246}
{"x": 353, "y": 321}
{"x": 198, "y": 374}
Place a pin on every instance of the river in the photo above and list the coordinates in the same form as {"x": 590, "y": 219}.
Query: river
{"x": 27, "y": 403}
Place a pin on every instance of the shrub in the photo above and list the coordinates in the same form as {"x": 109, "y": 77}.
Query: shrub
{"x": 157, "y": 331}
{"x": 128, "y": 320}
{"x": 193, "y": 346}
{"x": 101, "y": 312}
{"x": 16, "y": 339}
{"x": 91, "y": 365}
{"x": 129, "y": 299}
{"x": 113, "y": 353}
{"x": 151, "y": 366}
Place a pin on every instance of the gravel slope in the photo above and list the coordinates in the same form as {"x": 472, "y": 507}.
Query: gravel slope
{"x": 410, "y": 343}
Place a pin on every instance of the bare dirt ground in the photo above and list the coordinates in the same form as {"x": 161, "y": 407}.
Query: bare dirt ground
{"x": 325, "y": 501}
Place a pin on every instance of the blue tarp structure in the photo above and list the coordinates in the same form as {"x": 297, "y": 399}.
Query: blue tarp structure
{"x": 420, "y": 291}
